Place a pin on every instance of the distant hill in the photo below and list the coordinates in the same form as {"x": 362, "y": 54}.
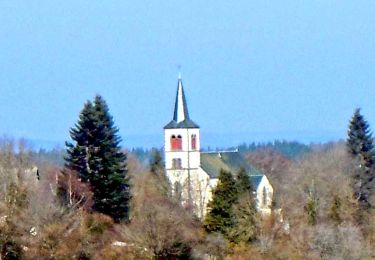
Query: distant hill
{"x": 290, "y": 149}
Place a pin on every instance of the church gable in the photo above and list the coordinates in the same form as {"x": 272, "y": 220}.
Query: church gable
{"x": 256, "y": 181}
{"x": 264, "y": 195}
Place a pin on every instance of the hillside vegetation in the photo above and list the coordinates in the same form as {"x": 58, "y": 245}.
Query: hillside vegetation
{"x": 324, "y": 204}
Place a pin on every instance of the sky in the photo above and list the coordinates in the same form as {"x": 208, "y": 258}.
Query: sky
{"x": 252, "y": 70}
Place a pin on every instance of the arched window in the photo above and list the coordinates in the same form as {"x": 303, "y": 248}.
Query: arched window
{"x": 193, "y": 142}
{"x": 265, "y": 204}
{"x": 176, "y": 142}
{"x": 176, "y": 163}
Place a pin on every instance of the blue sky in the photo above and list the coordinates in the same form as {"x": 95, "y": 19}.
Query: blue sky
{"x": 252, "y": 70}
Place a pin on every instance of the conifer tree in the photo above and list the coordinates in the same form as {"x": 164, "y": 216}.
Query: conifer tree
{"x": 97, "y": 158}
{"x": 78, "y": 154}
{"x": 360, "y": 142}
{"x": 243, "y": 183}
{"x": 245, "y": 228}
{"x": 361, "y": 148}
{"x": 220, "y": 216}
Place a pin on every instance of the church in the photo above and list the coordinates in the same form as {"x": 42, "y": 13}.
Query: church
{"x": 194, "y": 174}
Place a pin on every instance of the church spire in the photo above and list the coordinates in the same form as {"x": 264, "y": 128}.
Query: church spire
{"x": 181, "y": 117}
{"x": 180, "y": 108}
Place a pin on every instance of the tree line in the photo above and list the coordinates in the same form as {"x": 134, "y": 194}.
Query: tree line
{"x": 104, "y": 204}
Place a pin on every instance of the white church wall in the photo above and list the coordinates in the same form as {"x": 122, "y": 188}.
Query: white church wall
{"x": 199, "y": 188}
{"x": 189, "y": 158}
{"x": 264, "y": 196}
{"x": 186, "y": 138}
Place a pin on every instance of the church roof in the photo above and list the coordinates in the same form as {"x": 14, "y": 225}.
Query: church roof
{"x": 213, "y": 162}
{"x": 255, "y": 180}
{"x": 181, "y": 117}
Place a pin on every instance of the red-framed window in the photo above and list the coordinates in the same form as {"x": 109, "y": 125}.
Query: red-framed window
{"x": 193, "y": 142}
{"x": 176, "y": 142}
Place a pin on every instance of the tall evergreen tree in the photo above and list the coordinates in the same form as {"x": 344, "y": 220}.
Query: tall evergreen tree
{"x": 97, "y": 158}
{"x": 243, "y": 182}
{"x": 245, "y": 228}
{"x": 361, "y": 148}
{"x": 360, "y": 141}
{"x": 78, "y": 154}
{"x": 220, "y": 216}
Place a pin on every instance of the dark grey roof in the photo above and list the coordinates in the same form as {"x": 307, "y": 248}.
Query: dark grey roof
{"x": 186, "y": 122}
{"x": 255, "y": 180}
{"x": 213, "y": 162}
{"x": 184, "y": 104}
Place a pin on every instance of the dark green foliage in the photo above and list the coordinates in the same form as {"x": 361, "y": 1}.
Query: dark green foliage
{"x": 79, "y": 155}
{"x": 245, "y": 226}
{"x": 360, "y": 141}
{"x": 290, "y": 149}
{"x": 243, "y": 183}
{"x": 220, "y": 216}
{"x": 98, "y": 160}
{"x": 232, "y": 209}
{"x": 361, "y": 148}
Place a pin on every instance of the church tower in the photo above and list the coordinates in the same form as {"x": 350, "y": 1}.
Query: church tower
{"x": 182, "y": 148}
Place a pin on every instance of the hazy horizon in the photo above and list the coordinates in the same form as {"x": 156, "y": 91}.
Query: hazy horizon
{"x": 251, "y": 70}
{"x": 209, "y": 140}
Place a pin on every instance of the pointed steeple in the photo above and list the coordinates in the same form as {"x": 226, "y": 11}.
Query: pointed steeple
{"x": 181, "y": 117}
{"x": 180, "y": 107}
